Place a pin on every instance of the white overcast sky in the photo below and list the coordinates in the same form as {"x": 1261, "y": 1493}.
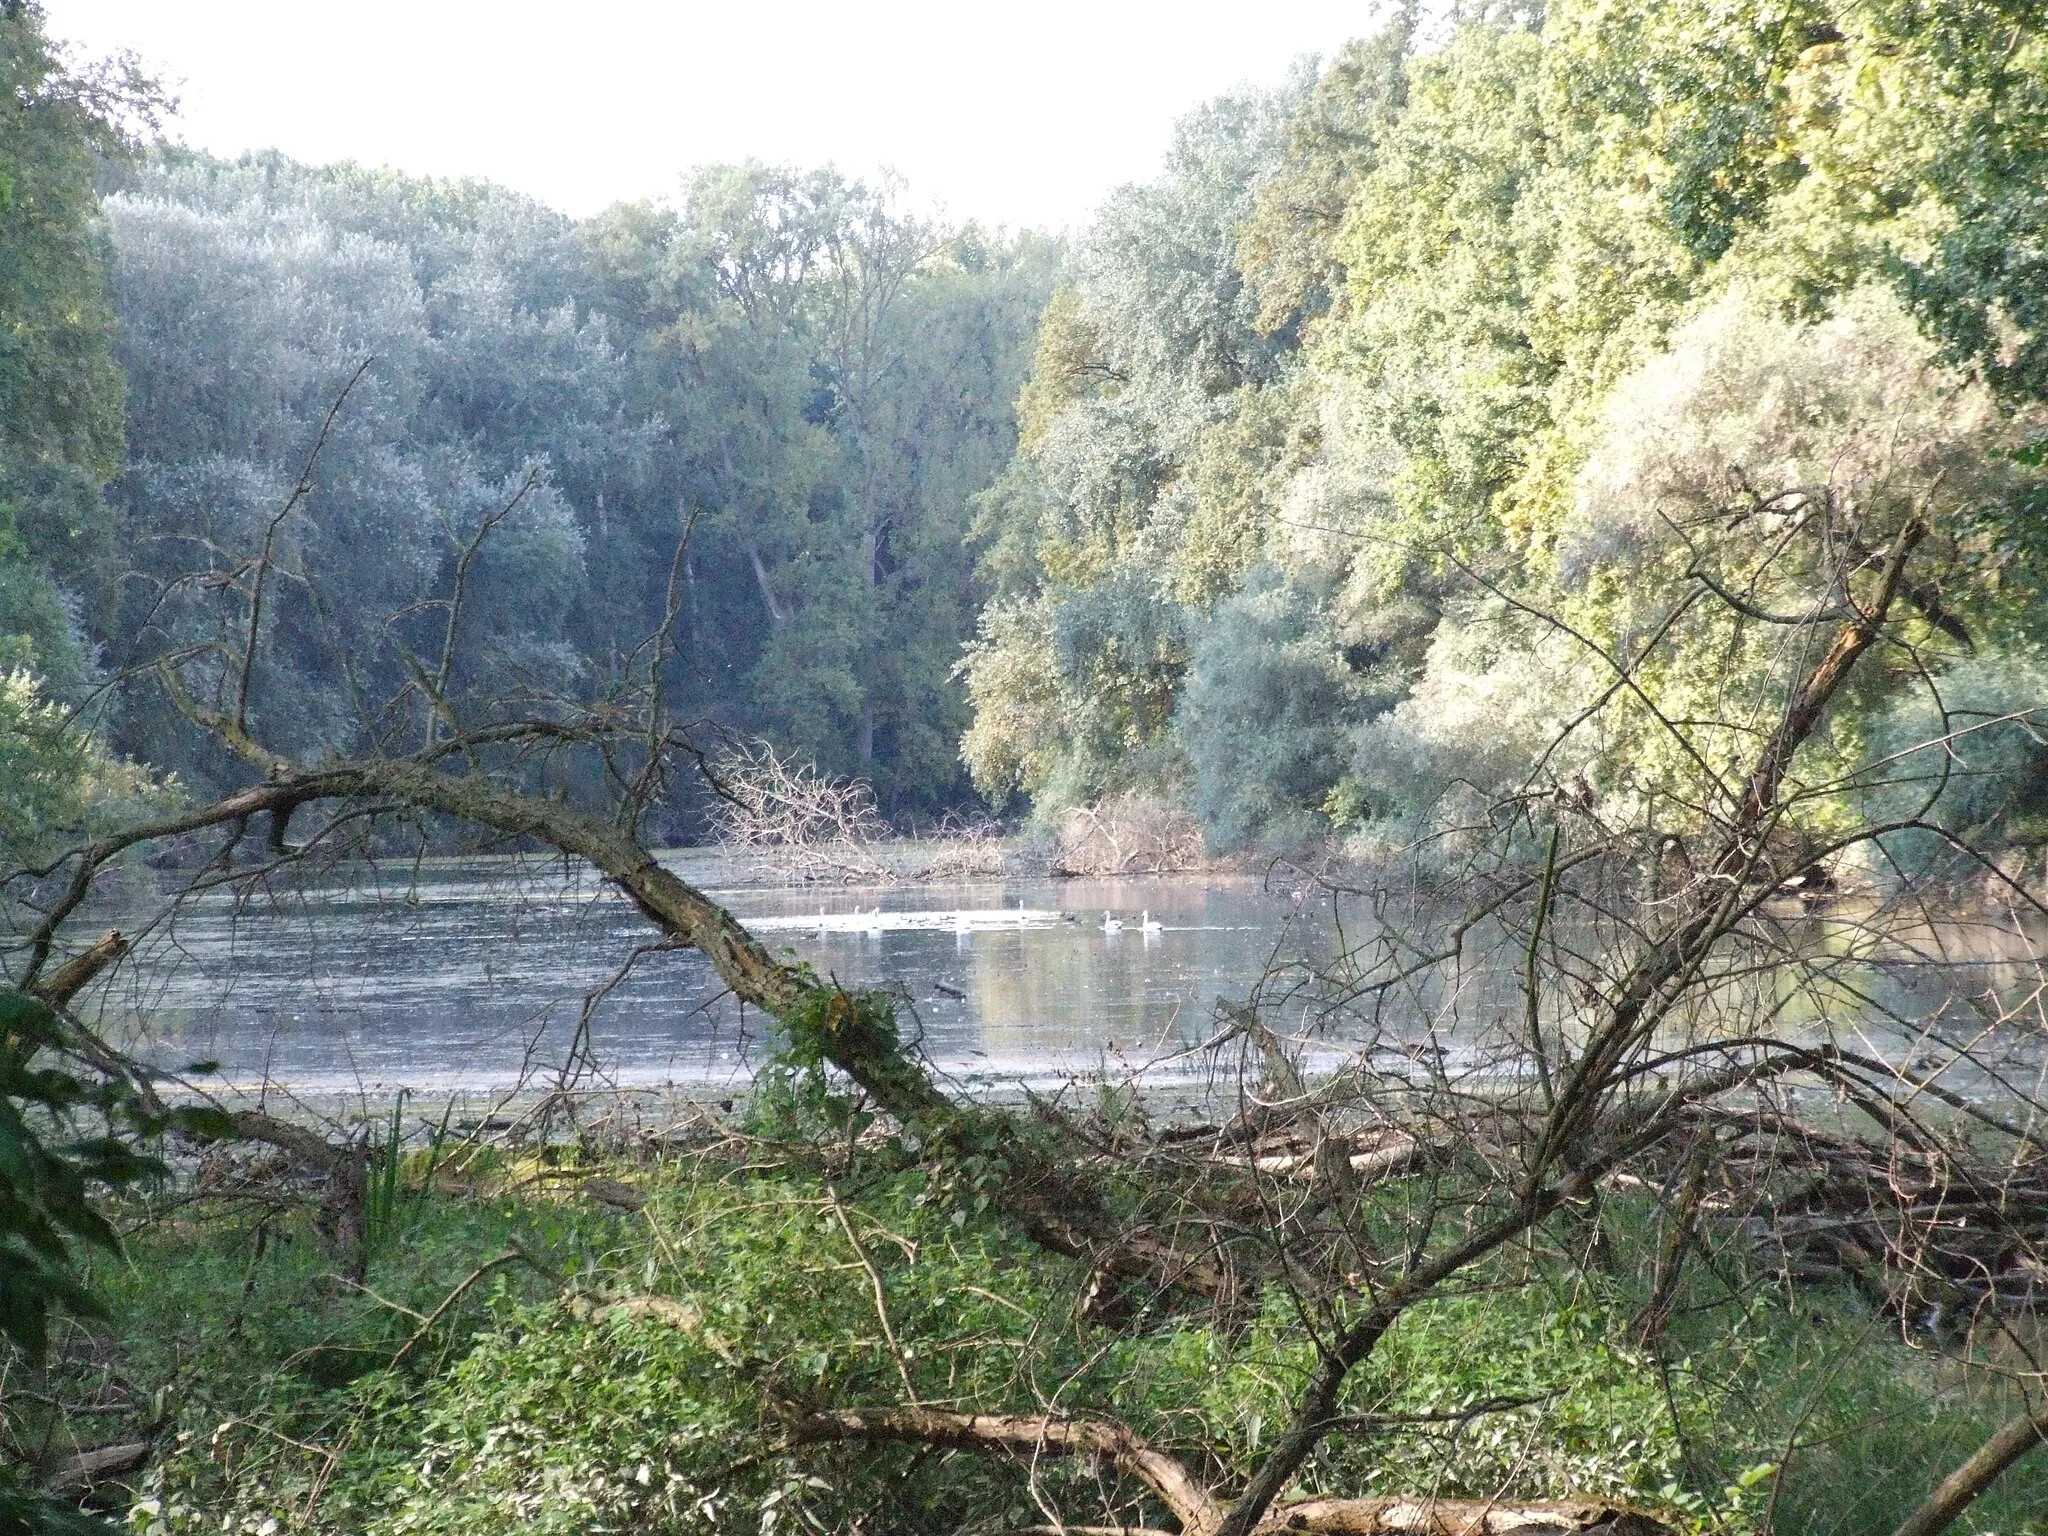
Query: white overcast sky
{"x": 1017, "y": 114}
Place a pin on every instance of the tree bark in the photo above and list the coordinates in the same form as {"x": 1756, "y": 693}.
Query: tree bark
{"x": 344, "y": 1210}
{"x": 1398, "y": 1516}
{"x": 1027, "y": 1435}
{"x": 776, "y": 616}
{"x": 1960, "y": 1489}
{"x": 76, "y": 974}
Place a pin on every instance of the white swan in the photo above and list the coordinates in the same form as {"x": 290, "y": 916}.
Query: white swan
{"x": 960, "y": 923}
{"x": 1111, "y": 923}
{"x": 1145, "y": 923}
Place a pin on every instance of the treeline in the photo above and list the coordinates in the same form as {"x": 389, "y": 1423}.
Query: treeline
{"x": 1400, "y": 419}
{"x": 788, "y": 377}
{"x": 802, "y": 378}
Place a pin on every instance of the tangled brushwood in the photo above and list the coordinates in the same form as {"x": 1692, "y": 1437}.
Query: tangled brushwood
{"x": 1130, "y": 834}
{"x": 790, "y": 817}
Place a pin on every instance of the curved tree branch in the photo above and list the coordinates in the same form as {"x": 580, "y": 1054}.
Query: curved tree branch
{"x": 1029, "y": 1435}
{"x": 1960, "y": 1489}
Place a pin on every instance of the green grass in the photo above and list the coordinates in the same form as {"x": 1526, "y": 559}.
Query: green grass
{"x": 533, "y": 1408}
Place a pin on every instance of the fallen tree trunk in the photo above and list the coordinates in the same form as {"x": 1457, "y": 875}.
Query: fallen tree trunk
{"x": 100, "y": 1464}
{"x": 1959, "y": 1490}
{"x": 1029, "y": 1435}
{"x": 1396, "y": 1515}
{"x": 1055, "y": 1200}
{"x": 343, "y": 1219}
{"x": 1197, "y": 1510}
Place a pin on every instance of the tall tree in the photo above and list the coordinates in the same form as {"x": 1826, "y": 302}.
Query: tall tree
{"x": 60, "y": 390}
{"x": 835, "y": 378}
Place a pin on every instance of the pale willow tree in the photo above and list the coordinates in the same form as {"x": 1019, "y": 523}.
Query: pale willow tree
{"x": 268, "y": 345}
{"x": 1735, "y": 484}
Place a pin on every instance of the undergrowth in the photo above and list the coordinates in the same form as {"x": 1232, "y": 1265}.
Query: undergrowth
{"x": 544, "y": 1398}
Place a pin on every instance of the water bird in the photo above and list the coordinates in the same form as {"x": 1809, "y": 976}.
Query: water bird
{"x": 960, "y": 923}
{"x": 944, "y": 989}
{"x": 1146, "y": 924}
{"x": 1111, "y": 923}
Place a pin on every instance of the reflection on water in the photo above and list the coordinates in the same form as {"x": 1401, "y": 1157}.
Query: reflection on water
{"x": 469, "y": 975}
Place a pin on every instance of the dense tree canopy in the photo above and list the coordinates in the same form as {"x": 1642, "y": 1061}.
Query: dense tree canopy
{"x": 60, "y": 390}
{"x": 1342, "y": 424}
{"x": 802, "y": 378}
{"x": 1456, "y": 353}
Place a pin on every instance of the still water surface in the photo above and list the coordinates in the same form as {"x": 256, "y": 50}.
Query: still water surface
{"x": 471, "y": 976}
{"x": 471, "y": 973}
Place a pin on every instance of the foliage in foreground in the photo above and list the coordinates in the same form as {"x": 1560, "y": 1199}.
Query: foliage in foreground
{"x": 64, "y": 1141}
{"x": 570, "y": 1401}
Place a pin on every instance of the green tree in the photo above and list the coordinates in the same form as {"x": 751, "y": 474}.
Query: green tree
{"x": 834, "y": 378}
{"x": 60, "y": 390}
{"x": 1145, "y": 424}
{"x": 1463, "y": 257}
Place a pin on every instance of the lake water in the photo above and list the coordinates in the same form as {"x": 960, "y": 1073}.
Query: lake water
{"x": 475, "y": 973}
{"x": 472, "y": 976}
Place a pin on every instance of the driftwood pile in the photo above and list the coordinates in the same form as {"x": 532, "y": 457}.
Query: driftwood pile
{"x": 1937, "y": 1233}
{"x": 1936, "y": 1230}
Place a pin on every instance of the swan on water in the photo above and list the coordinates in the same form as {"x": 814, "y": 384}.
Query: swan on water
{"x": 1146, "y": 924}
{"x": 1111, "y": 923}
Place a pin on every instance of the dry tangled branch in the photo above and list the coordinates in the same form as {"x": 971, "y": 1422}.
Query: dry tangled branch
{"x": 965, "y": 850}
{"x": 800, "y": 822}
{"x": 1127, "y": 835}
{"x": 1937, "y": 1233}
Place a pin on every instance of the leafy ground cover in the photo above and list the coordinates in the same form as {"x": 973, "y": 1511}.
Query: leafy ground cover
{"x": 638, "y": 1340}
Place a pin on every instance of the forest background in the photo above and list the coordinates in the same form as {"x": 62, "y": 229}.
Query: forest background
{"x": 1305, "y": 432}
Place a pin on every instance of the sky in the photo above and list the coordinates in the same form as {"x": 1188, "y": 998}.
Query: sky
{"x": 1019, "y": 115}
